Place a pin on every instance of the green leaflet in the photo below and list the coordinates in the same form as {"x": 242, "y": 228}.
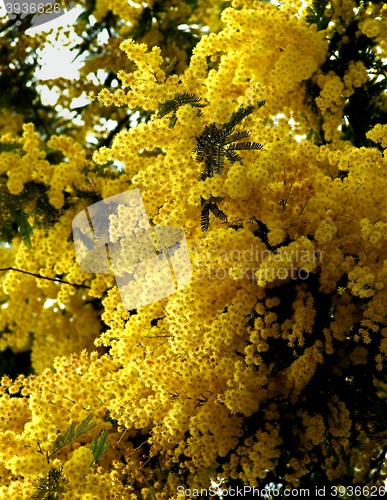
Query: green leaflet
{"x": 6, "y": 147}
{"x": 6, "y": 234}
{"x": 52, "y": 486}
{"x": 23, "y": 224}
{"x": 316, "y": 14}
{"x": 99, "y": 446}
{"x": 205, "y": 218}
{"x": 14, "y": 218}
{"x": 72, "y": 433}
{"x": 238, "y": 116}
{"x": 210, "y": 144}
{"x": 12, "y": 213}
{"x": 173, "y": 105}
{"x": 211, "y": 205}
{"x": 170, "y": 67}
{"x": 16, "y": 214}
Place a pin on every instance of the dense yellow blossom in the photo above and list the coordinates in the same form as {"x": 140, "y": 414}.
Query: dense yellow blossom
{"x": 287, "y": 304}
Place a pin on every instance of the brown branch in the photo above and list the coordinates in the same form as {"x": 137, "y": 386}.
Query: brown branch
{"x": 42, "y": 277}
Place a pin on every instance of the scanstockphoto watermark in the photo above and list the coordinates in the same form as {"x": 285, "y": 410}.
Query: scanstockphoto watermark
{"x": 255, "y": 274}
{"x": 272, "y": 491}
{"x": 267, "y": 273}
{"x": 246, "y": 491}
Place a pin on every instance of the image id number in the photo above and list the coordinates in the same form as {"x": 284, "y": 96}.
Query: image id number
{"x": 365, "y": 491}
{"x": 33, "y": 8}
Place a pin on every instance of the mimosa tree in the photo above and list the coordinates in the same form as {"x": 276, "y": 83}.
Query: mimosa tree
{"x": 269, "y": 367}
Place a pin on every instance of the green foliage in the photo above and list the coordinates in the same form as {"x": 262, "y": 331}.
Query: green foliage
{"x": 173, "y": 105}
{"x": 6, "y": 232}
{"x": 170, "y": 67}
{"x": 361, "y": 112}
{"x": 236, "y": 226}
{"x": 90, "y": 34}
{"x": 241, "y": 113}
{"x": 72, "y": 433}
{"x": 210, "y": 144}
{"x": 22, "y": 222}
{"x": 99, "y": 446}
{"x": 210, "y": 149}
{"x": 6, "y": 147}
{"x": 52, "y": 486}
{"x": 316, "y": 14}
{"x": 211, "y": 205}
{"x": 17, "y": 216}
{"x": 14, "y": 217}
{"x": 364, "y": 108}
{"x": 108, "y": 170}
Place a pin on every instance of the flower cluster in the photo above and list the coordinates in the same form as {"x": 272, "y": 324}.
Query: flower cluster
{"x": 220, "y": 378}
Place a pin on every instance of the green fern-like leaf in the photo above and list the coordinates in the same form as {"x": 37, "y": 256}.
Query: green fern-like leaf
{"x": 218, "y": 160}
{"x": 6, "y": 232}
{"x": 6, "y": 147}
{"x": 172, "y": 105}
{"x": 316, "y": 14}
{"x": 166, "y": 108}
{"x": 188, "y": 98}
{"x": 232, "y": 156}
{"x": 170, "y": 67}
{"x": 205, "y": 218}
{"x": 238, "y": 116}
{"x": 211, "y": 205}
{"x": 48, "y": 150}
{"x": 204, "y": 142}
{"x": 235, "y": 137}
{"x": 99, "y": 446}
{"x": 215, "y": 210}
{"x": 207, "y": 172}
{"x": 236, "y": 226}
{"x": 84, "y": 425}
{"x": 172, "y": 120}
{"x": 210, "y": 143}
{"x": 72, "y": 433}
{"x": 245, "y": 146}
{"x": 63, "y": 439}
{"x": 216, "y": 199}
{"x": 25, "y": 228}
{"x": 52, "y": 486}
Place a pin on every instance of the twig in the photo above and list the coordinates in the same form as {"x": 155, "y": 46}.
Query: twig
{"x": 43, "y": 277}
